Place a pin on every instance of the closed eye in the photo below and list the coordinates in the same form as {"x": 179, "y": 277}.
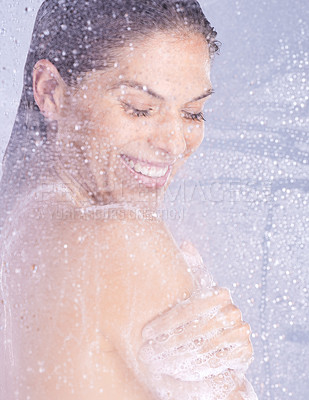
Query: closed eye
{"x": 134, "y": 111}
{"x": 129, "y": 109}
{"x": 195, "y": 117}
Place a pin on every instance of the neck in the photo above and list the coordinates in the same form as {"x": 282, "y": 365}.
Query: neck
{"x": 75, "y": 181}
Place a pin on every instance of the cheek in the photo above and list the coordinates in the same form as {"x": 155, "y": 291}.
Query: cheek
{"x": 115, "y": 127}
{"x": 194, "y": 138}
{"x": 106, "y": 127}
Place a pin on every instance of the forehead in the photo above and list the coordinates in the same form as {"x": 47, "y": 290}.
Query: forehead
{"x": 176, "y": 66}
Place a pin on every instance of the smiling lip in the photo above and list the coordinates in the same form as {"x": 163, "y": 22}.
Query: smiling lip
{"x": 148, "y": 181}
{"x": 149, "y": 163}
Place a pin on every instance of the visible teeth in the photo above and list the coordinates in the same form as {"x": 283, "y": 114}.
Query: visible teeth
{"x": 137, "y": 167}
{"x": 154, "y": 172}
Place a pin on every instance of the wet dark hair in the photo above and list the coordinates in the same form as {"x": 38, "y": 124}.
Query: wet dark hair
{"x": 79, "y": 36}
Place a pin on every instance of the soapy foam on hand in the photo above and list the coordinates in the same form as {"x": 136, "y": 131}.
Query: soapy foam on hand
{"x": 185, "y": 372}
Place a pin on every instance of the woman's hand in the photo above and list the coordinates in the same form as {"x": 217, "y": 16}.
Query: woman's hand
{"x": 201, "y": 346}
{"x": 198, "y": 338}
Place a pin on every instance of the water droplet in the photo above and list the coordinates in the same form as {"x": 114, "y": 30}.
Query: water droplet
{"x": 162, "y": 338}
{"x": 199, "y": 341}
{"x": 178, "y": 330}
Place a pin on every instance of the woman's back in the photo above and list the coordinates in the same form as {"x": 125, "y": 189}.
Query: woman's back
{"x": 77, "y": 290}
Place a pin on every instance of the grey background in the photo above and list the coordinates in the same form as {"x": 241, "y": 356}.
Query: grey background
{"x": 243, "y": 198}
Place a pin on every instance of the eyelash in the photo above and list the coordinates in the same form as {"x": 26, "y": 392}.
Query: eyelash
{"x": 197, "y": 117}
{"x": 145, "y": 113}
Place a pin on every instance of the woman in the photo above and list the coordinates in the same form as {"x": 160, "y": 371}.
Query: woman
{"x": 98, "y": 300}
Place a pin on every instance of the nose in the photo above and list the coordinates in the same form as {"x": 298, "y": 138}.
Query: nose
{"x": 169, "y": 137}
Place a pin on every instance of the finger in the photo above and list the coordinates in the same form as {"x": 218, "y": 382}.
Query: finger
{"x": 203, "y": 334}
{"x": 229, "y": 315}
{"x": 177, "y": 347}
{"x": 192, "y": 338}
{"x": 231, "y": 349}
{"x": 187, "y": 311}
{"x": 237, "y": 358}
{"x": 203, "y": 367}
{"x": 229, "y": 338}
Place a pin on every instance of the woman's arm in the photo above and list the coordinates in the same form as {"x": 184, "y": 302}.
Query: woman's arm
{"x": 141, "y": 273}
{"x": 79, "y": 294}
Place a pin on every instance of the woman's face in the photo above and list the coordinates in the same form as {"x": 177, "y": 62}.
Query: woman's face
{"x": 141, "y": 120}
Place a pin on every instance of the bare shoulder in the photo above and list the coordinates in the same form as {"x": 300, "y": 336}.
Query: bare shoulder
{"x": 129, "y": 253}
{"x": 127, "y": 268}
{"x": 101, "y": 245}
{"x": 80, "y": 282}
{"x": 134, "y": 263}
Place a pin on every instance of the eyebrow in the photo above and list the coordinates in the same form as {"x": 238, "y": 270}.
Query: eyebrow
{"x": 146, "y": 89}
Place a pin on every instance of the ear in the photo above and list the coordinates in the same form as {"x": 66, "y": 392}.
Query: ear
{"x": 48, "y": 89}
